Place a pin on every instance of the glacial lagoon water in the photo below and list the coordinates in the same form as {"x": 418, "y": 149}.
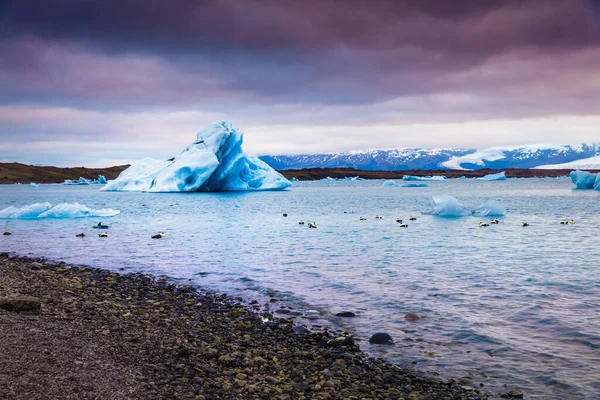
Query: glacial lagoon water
{"x": 503, "y": 304}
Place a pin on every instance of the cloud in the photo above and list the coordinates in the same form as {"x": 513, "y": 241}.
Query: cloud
{"x": 117, "y": 71}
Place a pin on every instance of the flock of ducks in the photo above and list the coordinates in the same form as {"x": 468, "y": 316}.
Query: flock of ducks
{"x": 402, "y": 224}
{"x": 106, "y": 234}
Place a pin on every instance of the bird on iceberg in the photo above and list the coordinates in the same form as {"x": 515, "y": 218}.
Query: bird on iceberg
{"x": 80, "y": 235}
{"x": 103, "y": 234}
{"x": 159, "y": 235}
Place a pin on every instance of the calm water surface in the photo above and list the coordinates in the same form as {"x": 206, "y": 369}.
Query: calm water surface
{"x": 503, "y": 304}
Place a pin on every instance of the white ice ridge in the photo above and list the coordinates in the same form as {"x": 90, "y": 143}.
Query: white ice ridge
{"x": 423, "y": 178}
{"x": 585, "y": 180}
{"x": 450, "y": 207}
{"x": 63, "y": 210}
{"x": 215, "y": 162}
{"x": 500, "y": 176}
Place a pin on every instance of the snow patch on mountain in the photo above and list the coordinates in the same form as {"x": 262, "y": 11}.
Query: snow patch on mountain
{"x": 585, "y": 163}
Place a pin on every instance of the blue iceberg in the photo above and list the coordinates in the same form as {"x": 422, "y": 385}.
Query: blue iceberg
{"x": 33, "y": 184}
{"x": 500, "y": 176}
{"x": 215, "y": 162}
{"x": 63, "y": 210}
{"x": 415, "y": 185}
{"x": 423, "y": 178}
{"x": 82, "y": 181}
{"x": 390, "y": 183}
{"x": 449, "y": 207}
{"x": 490, "y": 208}
{"x": 585, "y": 180}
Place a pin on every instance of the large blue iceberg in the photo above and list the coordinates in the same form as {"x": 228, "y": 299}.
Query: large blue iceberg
{"x": 500, "y": 176}
{"x": 585, "y": 180}
{"x": 449, "y": 207}
{"x": 215, "y": 162}
{"x": 63, "y": 210}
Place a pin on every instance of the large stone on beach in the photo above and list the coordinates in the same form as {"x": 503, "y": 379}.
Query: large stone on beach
{"x": 21, "y": 304}
{"x": 381, "y": 338}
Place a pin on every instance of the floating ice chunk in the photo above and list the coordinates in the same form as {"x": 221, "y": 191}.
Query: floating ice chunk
{"x": 102, "y": 180}
{"x": 448, "y": 206}
{"x": 33, "y": 184}
{"x": 63, "y": 210}
{"x": 415, "y": 185}
{"x": 500, "y": 176}
{"x": 390, "y": 183}
{"x": 423, "y": 178}
{"x": 80, "y": 181}
{"x": 490, "y": 208}
{"x": 585, "y": 180}
{"x": 214, "y": 162}
{"x": 26, "y": 212}
{"x": 353, "y": 178}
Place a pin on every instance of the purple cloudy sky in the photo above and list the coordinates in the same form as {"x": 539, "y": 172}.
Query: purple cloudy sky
{"x": 96, "y": 83}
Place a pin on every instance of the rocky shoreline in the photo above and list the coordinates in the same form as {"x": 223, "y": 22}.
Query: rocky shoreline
{"x": 86, "y": 333}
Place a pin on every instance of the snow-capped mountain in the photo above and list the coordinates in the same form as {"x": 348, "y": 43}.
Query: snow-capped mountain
{"x": 530, "y": 156}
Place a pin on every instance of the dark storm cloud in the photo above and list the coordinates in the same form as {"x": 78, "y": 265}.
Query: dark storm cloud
{"x": 324, "y": 51}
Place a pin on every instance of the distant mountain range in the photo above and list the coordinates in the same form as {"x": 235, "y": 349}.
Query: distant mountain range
{"x": 585, "y": 156}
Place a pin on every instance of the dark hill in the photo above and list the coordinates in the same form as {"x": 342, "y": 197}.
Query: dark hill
{"x": 22, "y": 173}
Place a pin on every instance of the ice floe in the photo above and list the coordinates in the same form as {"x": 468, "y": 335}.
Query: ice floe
{"x": 423, "y": 178}
{"x": 450, "y": 207}
{"x": 63, "y": 210}
{"x": 500, "y": 176}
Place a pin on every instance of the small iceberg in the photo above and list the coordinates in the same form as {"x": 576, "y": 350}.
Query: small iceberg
{"x": 63, "y": 210}
{"x": 449, "y": 207}
{"x": 500, "y": 176}
{"x": 423, "y": 178}
{"x": 415, "y": 185}
{"x": 585, "y": 180}
{"x": 390, "y": 183}
{"x": 82, "y": 181}
{"x": 33, "y": 184}
{"x": 490, "y": 208}
{"x": 214, "y": 162}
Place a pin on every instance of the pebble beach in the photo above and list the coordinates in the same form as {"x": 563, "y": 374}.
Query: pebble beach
{"x": 82, "y": 333}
